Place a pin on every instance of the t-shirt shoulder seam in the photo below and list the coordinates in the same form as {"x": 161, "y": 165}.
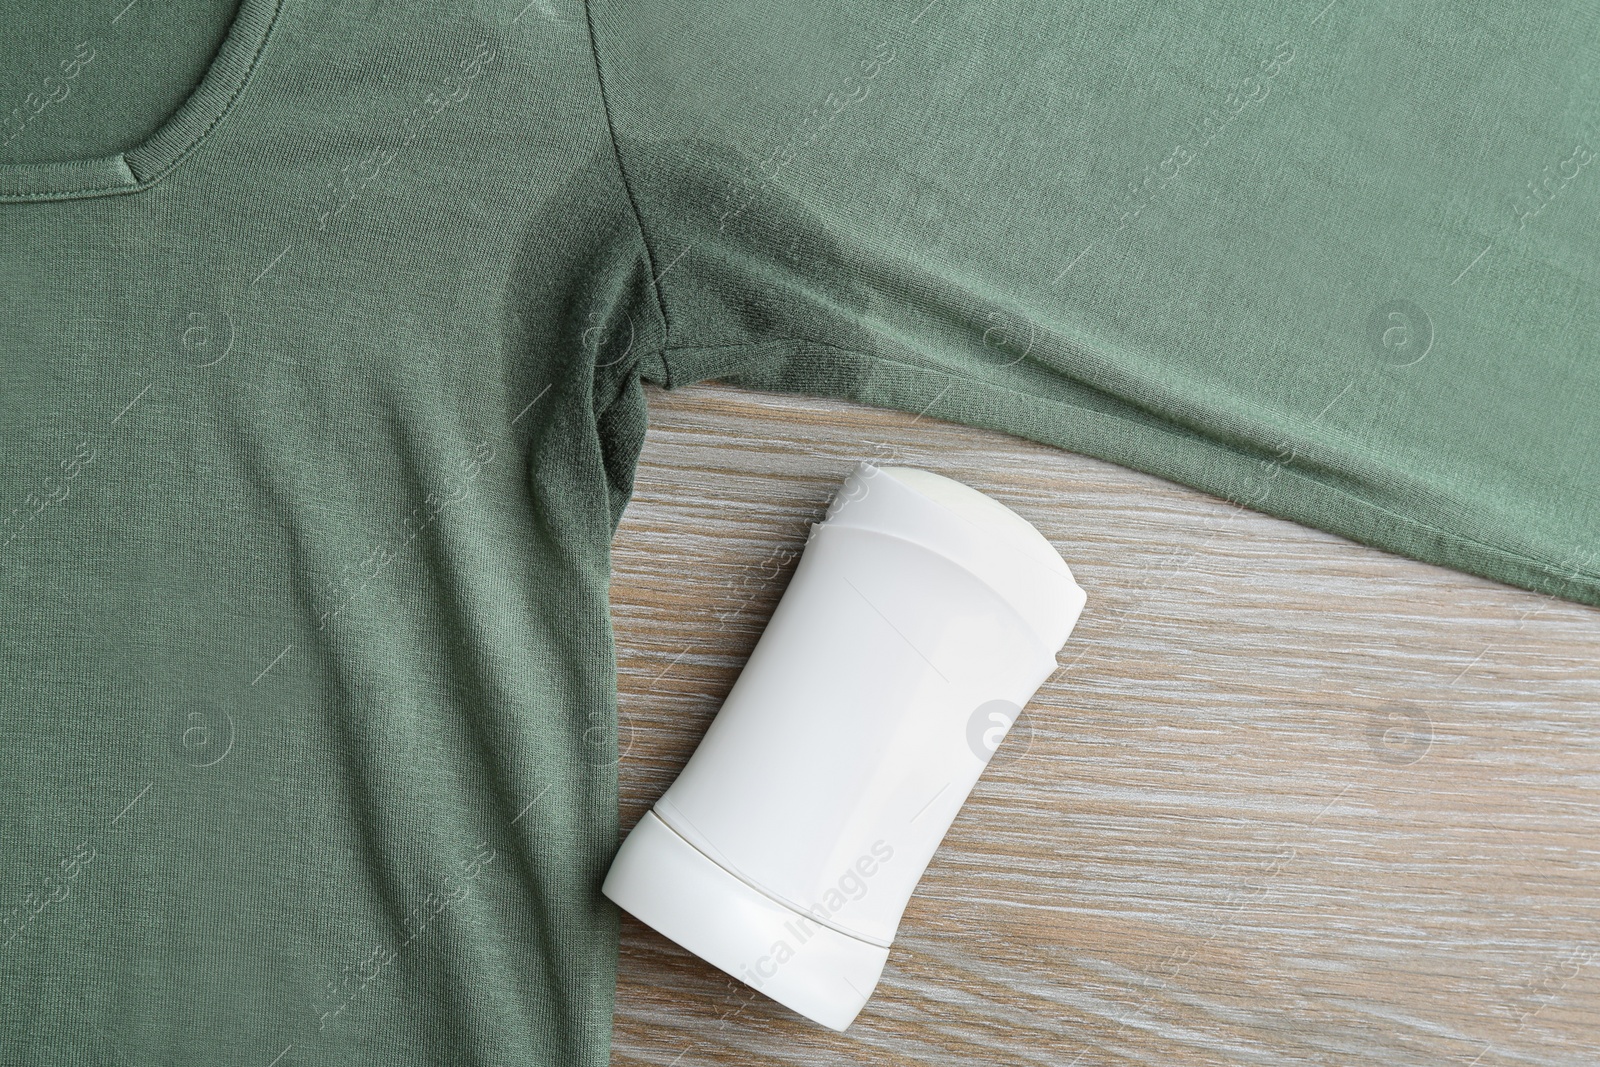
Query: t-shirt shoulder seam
{"x": 1552, "y": 566}
{"x": 1555, "y": 572}
{"x": 622, "y": 172}
{"x": 675, "y": 375}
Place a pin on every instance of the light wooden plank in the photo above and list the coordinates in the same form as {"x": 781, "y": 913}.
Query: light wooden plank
{"x": 1288, "y": 799}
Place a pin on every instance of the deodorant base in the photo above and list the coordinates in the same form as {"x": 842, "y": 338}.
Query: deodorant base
{"x": 668, "y": 884}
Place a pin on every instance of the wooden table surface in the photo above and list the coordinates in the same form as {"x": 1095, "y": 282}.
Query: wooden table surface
{"x": 1287, "y": 799}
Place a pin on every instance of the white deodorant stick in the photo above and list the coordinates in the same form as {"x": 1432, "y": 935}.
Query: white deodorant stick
{"x": 922, "y": 616}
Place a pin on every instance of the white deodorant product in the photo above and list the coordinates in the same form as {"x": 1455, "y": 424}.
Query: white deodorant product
{"x": 922, "y": 616}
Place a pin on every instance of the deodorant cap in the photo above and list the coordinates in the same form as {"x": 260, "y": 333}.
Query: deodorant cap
{"x": 972, "y": 530}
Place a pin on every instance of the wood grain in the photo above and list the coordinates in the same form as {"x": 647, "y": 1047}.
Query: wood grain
{"x": 1287, "y": 800}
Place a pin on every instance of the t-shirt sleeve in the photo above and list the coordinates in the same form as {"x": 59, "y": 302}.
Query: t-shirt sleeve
{"x": 1335, "y": 262}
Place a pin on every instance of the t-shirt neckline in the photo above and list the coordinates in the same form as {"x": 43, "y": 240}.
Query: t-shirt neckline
{"x": 138, "y": 168}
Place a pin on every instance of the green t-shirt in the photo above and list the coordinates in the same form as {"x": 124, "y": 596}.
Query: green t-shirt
{"x": 323, "y": 343}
